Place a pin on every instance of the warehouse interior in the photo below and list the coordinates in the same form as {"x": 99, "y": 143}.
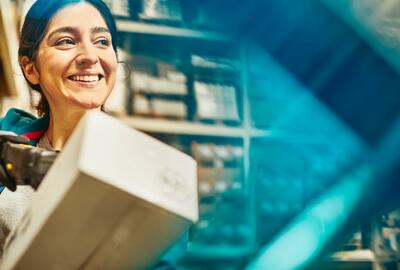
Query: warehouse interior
{"x": 290, "y": 109}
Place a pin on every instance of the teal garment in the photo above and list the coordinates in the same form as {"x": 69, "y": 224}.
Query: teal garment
{"x": 27, "y": 125}
{"x": 24, "y": 124}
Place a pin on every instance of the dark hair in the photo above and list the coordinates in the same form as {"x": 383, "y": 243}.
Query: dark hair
{"x": 35, "y": 27}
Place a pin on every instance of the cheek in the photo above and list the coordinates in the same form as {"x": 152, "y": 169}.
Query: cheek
{"x": 52, "y": 63}
{"x": 111, "y": 70}
{"x": 110, "y": 61}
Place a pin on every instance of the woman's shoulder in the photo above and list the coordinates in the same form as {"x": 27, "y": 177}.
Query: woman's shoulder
{"x": 20, "y": 122}
{"x": 15, "y": 118}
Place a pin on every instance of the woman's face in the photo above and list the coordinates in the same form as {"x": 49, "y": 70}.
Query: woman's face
{"x": 76, "y": 64}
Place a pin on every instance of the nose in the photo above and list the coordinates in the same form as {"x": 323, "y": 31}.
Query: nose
{"x": 87, "y": 55}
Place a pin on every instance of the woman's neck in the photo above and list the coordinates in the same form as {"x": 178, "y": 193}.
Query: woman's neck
{"x": 62, "y": 123}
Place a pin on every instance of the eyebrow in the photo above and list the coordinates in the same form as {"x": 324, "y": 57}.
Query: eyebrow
{"x": 72, "y": 30}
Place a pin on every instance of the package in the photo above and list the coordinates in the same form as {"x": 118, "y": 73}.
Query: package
{"x": 119, "y": 7}
{"x": 161, "y": 10}
{"x": 213, "y": 181}
{"x": 115, "y": 198}
{"x": 216, "y": 101}
{"x": 171, "y": 85}
{"x": 141, "y": 105}
{"x": 169, "y": 108}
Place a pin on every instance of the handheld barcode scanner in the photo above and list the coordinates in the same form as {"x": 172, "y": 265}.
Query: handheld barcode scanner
{"x": 21, "y": 163}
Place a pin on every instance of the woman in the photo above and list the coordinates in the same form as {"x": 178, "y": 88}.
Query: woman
{"x": 68, "y": 54}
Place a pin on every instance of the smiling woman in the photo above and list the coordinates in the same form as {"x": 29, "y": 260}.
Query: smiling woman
{"x": 68, "y": 54}
{"x": 74, "y": 64}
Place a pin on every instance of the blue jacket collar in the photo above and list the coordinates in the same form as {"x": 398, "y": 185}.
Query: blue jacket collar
{"x": 25, "y": 124}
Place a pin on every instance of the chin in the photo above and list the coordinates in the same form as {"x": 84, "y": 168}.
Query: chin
{"x": 90, "y": 101}
{"x": 89, "y": 105}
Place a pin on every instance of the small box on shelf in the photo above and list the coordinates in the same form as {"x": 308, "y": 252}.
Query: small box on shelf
{"x": 215, "y": 181}
{"x": 162, "y": 11}
{"x": 173, "y": 84}
{"x": 159, "y": 108}
{"x": 216, "y": 102}
{"x": 119, "y": 8}
{"x": 169, "y": 108}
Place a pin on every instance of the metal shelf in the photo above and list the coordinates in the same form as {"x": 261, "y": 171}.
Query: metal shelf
{"x": 152, "y": 29}
{"x": 189, "y": 128}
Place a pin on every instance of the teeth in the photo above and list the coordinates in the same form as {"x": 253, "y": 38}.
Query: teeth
{"x": 91, "y": 78}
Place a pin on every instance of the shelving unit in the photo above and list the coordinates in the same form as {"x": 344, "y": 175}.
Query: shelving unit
{"x": 193, "y": 128}
{"x": 190, "y": 128}
{"x": 151, "y": 29}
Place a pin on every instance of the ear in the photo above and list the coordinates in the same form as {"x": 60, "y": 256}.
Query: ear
{"x": 30, "y": 70}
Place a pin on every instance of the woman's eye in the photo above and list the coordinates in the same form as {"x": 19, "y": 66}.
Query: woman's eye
{"x": 103, "y": 42}
{"x": 65, "y": 41}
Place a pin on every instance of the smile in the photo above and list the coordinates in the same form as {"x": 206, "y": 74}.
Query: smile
{"x": 86, "y": 78}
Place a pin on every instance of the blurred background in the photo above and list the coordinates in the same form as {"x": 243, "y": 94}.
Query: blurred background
{"x": 291, "y": 109}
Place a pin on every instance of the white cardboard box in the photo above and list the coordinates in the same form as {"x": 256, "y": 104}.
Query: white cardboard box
{"x": 115, "y": 198}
